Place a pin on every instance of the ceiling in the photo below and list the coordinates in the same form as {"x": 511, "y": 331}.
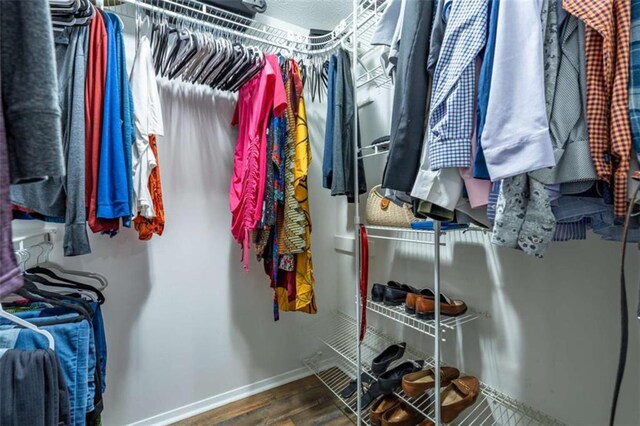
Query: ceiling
{"x": 317, "y": 14}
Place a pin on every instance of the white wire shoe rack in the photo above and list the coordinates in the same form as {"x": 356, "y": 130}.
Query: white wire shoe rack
{"x": 336, "y": 367}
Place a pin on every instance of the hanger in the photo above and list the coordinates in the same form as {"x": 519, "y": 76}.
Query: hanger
{"x": 17, "y": 320}
{"x": 45, "y": 266}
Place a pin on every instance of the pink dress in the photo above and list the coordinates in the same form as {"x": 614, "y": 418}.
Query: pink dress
{"x": 256, "y": 100}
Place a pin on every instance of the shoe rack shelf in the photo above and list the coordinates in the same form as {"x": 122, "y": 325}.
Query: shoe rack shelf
{"x": 428, "y": 327}
{"x": 339, "y": 367}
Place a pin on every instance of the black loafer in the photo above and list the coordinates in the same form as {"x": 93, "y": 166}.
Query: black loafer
{"x": 389, "y": 380}
{"x": 403, "y": 287}
{"x": 381, "y": 362}
{"x": 394, "y": 296}
{"x": 377, "y": 292}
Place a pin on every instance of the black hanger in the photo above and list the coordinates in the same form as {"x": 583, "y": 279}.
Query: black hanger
{"x": 65, "y": 282}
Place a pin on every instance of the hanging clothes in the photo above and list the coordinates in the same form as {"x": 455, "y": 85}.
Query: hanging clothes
{"x": 257, "y": 99}
{"x": 410, "y": 98}
{"x": 64, "y": 197}
{"x": 304, "y": 297}
{"x": 94, "y": 120}
{"x": 10, "y": 278}
{"x": 343, "y": 179}
{"x": 34, "y": 390}
{"x": 30, "y": 91}
{"x": 148, "y": 121}
{"x": 607, "y": 54}
{"x": 115, "y": 182}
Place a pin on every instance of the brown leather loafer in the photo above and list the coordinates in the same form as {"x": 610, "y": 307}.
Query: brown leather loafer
{"x": 459, "y": 395}
{"x": 425, "y": 307}
{"x": 401, "y": 415}
{"x": 381, "y": 406}
{"x": 410, "y": 301}
{"x": 415, "y": 384}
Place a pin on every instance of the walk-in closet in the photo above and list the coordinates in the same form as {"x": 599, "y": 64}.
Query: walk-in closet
{"x": 319, "y": 212}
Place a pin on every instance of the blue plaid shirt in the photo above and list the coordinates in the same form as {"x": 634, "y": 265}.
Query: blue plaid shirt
{"x": 454, "y": 84}
{"x": 634, "y": 75}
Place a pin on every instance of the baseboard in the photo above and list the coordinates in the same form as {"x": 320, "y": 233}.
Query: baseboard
{"x": 216, "y": 401}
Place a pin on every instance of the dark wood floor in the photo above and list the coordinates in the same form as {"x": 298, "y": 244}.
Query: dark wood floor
{"x": 303, "y": 402}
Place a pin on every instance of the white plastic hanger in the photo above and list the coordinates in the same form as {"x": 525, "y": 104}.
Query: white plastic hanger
{"x": 26, "y": 324}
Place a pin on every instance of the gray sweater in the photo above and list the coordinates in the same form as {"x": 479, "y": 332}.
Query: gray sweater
{"x": 30, "y": 91}
{"x": 65, "y": 197}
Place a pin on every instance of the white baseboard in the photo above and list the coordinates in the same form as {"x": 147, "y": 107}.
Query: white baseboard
{"x": 216, "y": 401}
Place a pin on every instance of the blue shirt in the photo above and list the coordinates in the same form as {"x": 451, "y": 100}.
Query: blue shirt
{"x": 484, "y": 86}
{"x": 115, "y": 170}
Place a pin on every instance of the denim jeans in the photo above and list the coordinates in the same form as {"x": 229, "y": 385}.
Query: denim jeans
{"x": 73, "y": 341}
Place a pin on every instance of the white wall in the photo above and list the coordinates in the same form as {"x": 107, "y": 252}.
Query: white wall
{"x": 552, "y": 337}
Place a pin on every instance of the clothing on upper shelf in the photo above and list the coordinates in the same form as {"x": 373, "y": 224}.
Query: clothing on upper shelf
{"x": 10, "y": 278}
{"x": 30, "y": 91}
{"x": 410, "y": 94}
{"x": 115, "y": 187}
{"x": 64, "y": 197}
{"x": 607, "y": 54}
{"x": 94, "y": 101}
{"x": 515, "y": 137}
{"x": 256, "y": 101}
{"x": 342, "y": 176}
{"x": 148, "y": 121}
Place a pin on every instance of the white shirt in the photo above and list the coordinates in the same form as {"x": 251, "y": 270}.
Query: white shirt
{"x": 148, "y": 121}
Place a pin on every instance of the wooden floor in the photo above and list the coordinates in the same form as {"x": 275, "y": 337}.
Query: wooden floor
{"x": 303, "y": 402}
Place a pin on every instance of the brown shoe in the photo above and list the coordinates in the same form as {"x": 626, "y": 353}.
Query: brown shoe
{"x": 427, "y": 423}
{"x": 458, "y": 396}
{"x": 402, "y": 415}
{"x": 381, "y": 406}
{"x": 412, "y": 297}
{"x": 425, "y": 307}
{"x": 415, "y": 384}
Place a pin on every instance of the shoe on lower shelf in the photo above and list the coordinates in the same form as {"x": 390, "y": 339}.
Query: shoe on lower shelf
{"x": 391, "y": 379}
{"x": 459, "y": 395}
{"x": 415, "y": 384}
{"x": 401, "y": 415}
{"x": 381, "y": 406}
{"x": 380, "y": 363}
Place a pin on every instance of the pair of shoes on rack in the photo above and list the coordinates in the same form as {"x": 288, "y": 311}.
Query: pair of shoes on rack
{"x": 388, "y": 379}
{"x": 458, "y": 394}
{"x": 395, "y": 293}
{"x": 389, "y": 410}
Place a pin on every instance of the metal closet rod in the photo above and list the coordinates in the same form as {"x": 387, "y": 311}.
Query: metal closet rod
{"x": 283, "y": 39}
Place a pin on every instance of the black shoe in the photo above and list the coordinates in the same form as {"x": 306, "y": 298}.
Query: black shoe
{"x": 368, "y": 397}
{"x": 377, "y": 292}
{"x": 381, "y": 362}
{"x": 365, "y": 378}
{"x": 389, "y": 380}
{"x": 394, "y": 296}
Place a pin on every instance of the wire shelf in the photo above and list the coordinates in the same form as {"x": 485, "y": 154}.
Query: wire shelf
{"x": 491, "y": 408}
{"x": 235, "y": 25}
{"x": 398, "y": 314}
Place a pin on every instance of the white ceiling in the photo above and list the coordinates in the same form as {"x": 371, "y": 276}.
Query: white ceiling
{"x": 318, "y": 14}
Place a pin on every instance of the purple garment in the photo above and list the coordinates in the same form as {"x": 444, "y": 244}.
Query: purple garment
{"x": 10, "y": 278}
